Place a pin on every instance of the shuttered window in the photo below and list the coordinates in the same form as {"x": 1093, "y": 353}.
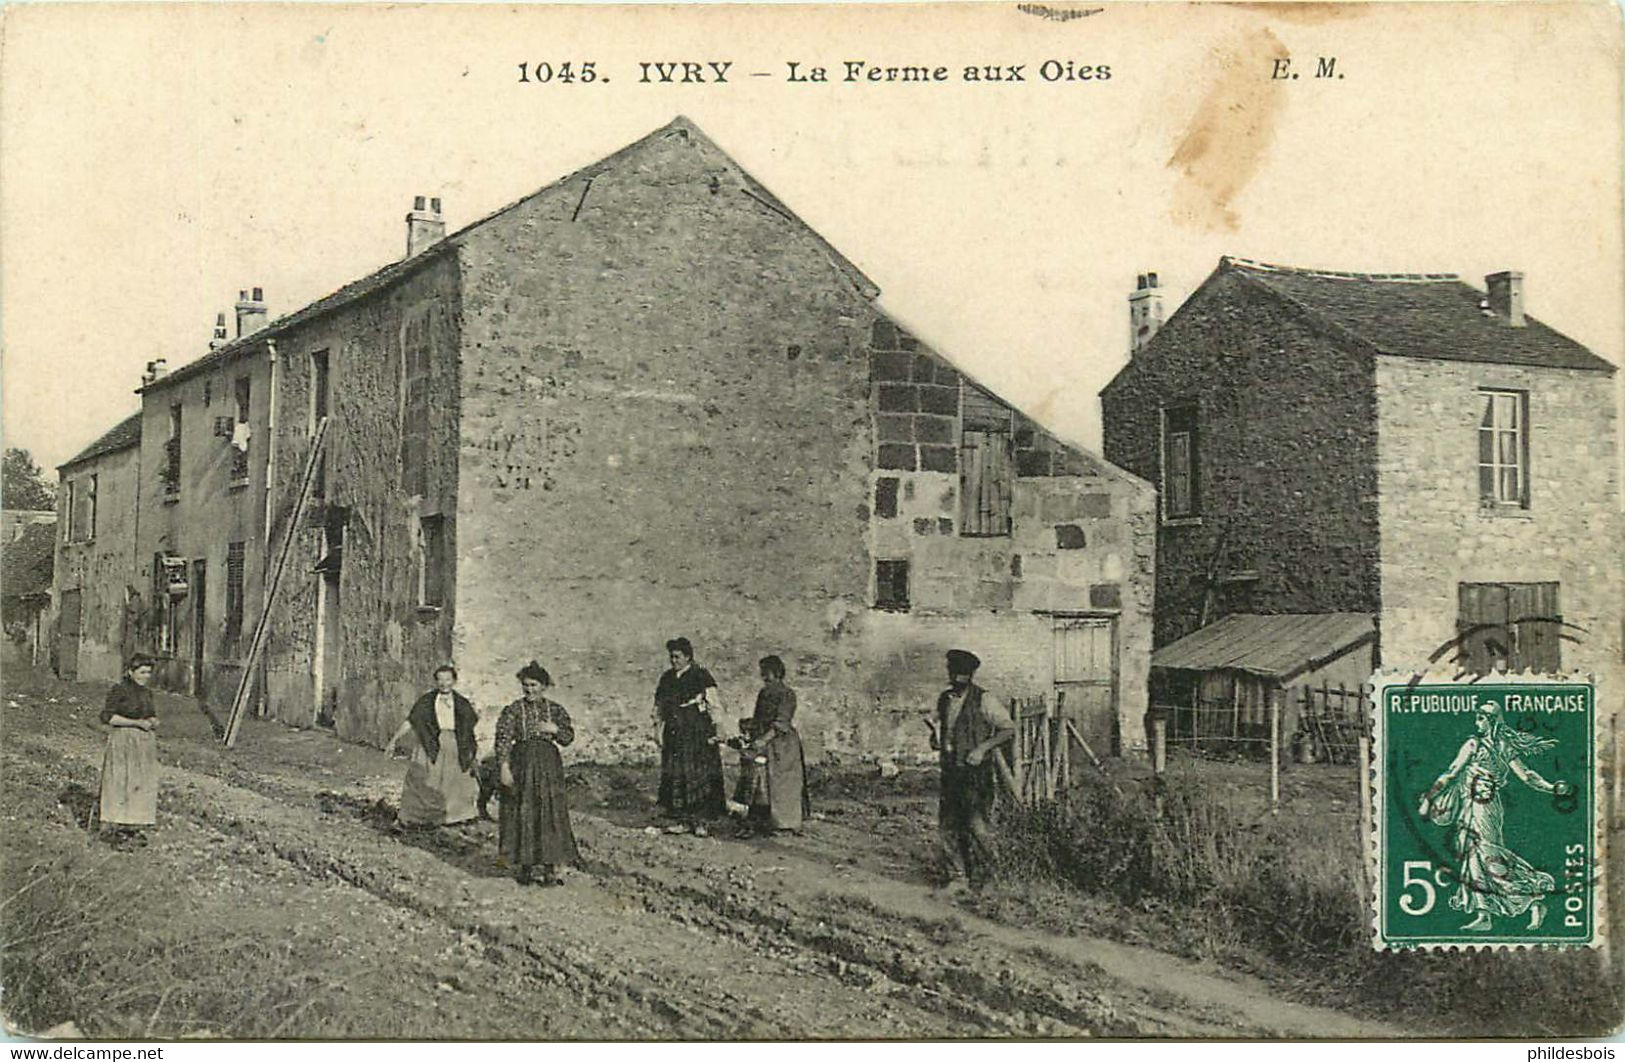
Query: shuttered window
{"x": 986, "y": 464}
{"x": 431, "y": 562}
{"x": 234, "y": 592}
{"x": 891, "y": 585}
{"x": 1509, "y": 626}
{"x": 415, "y": 406}
{"x": 1180, "y": 495}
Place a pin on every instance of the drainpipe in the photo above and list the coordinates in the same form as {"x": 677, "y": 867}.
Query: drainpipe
{"x": 270, "y": 482}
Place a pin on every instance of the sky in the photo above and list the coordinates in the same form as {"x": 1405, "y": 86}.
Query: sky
{"x": 156, "y": 159}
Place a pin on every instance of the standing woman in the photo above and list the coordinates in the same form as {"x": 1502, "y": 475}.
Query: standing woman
{"x": 774, "y": 792}
{"x": 534, "y": 820}
{"x": 690, "y": 761}
{"x": 440, "y": 787}
{"x": 129, "y": 798}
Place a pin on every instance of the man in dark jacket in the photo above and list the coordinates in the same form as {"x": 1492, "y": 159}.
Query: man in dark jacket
{"x": 970, "y": 724}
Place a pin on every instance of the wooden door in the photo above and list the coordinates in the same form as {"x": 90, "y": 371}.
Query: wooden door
{"x": 67, "y": 646}
{"x": 200, "y": 571}
{"x": 1086, "y": 677}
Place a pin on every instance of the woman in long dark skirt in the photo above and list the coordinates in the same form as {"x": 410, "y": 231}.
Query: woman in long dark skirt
{"x": 129, "y": 789}
{"x": 690, "y": 761}
{"x": 533, "y": 824}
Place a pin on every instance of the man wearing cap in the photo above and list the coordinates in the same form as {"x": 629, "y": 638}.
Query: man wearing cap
{"x": 970, "y": 723}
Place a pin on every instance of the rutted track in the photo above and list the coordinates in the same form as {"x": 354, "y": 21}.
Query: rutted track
{"x": 690, "y": 938}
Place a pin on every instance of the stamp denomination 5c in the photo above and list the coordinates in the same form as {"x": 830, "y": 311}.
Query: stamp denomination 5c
{"x": 1485, "y": 813}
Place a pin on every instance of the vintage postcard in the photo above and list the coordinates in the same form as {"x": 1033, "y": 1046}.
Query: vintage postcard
{"x": 735, "y": 522}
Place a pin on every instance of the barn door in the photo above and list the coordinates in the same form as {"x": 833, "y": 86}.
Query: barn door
{"x": 68, "y": 637}
{"x": 1085, "y": 675}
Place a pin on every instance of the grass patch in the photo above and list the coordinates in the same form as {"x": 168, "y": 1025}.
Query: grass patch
{"x": 1242, "y": 887}
{"x": 79, "y": 947}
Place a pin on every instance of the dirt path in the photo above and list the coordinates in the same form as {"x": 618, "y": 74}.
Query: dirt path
{"x": 658, "y": 937}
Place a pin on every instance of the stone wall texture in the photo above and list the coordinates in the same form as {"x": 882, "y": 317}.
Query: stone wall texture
{"x": 102, "y": 567}
{"x": 1287, "y": 468}
{"x": 1435, "y": 535}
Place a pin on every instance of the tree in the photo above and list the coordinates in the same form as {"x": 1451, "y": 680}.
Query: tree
{"x": 23, "y": 484}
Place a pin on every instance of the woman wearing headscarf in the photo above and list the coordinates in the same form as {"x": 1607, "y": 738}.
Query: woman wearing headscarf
{"x": 1491, "y": 879}
{"x": 440, "y": 787}
{"x": 533, "y": 825}
{"x": 772, "y": 781}
{"x": 129, "y": 787}
{"x": 690, "y": 761}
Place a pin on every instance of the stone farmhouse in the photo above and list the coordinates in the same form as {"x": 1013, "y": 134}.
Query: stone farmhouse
{"x": 646, "y": 400}
{"x": 1405, "y": 447}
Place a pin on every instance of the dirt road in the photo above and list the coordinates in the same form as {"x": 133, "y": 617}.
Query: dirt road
{"x": 279, "y": 854}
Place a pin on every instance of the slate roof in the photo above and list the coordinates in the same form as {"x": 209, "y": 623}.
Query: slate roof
{"x": 1417, "y": 315}
{"x": 384, "y": 276}
{"x": 125, "y": 433}
{"x": 1278, "y": 647}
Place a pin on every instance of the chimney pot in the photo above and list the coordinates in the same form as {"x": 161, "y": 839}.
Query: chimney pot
{"x": 1506, "y": 296}
{"x": 1144, "y": 312}
{"x": 424, "y": 227}
{"x": 251, "y": 313}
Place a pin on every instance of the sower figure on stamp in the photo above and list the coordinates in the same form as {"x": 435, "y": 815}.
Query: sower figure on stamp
{"x": 1492, "y": 879}
{"x": 970, "y": 723}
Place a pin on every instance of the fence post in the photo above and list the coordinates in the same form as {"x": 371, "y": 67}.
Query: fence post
{"x": 1159, "y": 745}
{"x": 1363, "y": 762}
{"x": 1275, "y": 750}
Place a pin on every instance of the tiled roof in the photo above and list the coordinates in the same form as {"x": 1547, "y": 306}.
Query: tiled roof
{"x": 395, "y": 270}
{"x": 1278, "y": 647}
{"x": 29, "y": 561}
{"x": 125, "y": 434}
{"x": 1418, "y": 315}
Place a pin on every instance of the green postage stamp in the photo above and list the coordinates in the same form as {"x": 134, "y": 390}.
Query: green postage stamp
{"x": 1485, "y": 813}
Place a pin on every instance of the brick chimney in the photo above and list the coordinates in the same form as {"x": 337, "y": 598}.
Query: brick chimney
{"x": 155, "y": 369}
{"x": 424, "y": 225}
{"x": 1144, "y": 312}
{"x": 1506, "y": 296}
{"x": 251, "y": 312}
{"x": 220, "y": 337}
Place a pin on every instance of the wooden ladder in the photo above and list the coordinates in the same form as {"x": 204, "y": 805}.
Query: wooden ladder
{"x": 239, "y": 701}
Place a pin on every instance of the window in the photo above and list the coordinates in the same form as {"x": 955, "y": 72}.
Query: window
{"x": 239, "y": 434}
{"x": 84, "y": 523}
{"x": 166, "y": 610}
{"x": 1509, "y": 627}
{"x": 69, "y": 490}
{"x": 986, "y": 464}
{"x": 891, "y": 585}
{"x": 886, "y": 497}
{"x": 431, "y": 562}
{"x": 234, "y": 592}
{"x": 1503, "y": 449}
{"x": 1181, "y": 493}
{"x": 415, "y": 405}
{"x": 171, "y": 471}
{"x": 319, "y": 382}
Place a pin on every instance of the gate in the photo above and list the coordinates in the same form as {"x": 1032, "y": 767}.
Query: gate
{"x": 67, "y": 666}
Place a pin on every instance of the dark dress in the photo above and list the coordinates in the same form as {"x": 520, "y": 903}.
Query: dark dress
{"x": 775, "y": 791}
{"x": 690, "y": 763}
{"x": 533, "y": 825}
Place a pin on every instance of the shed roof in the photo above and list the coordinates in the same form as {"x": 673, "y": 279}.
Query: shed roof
{"x": 28, "y": 562}
{"x": 1418, "y": 315}
{"x": 124, "y": 434}
{"x": 1279, "y": 647}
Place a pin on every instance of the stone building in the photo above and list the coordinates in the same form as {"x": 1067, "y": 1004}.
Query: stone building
{"x": 98, "y": 607}
{"x": 643, "y": 401}
{"x": 1404, "y": 446}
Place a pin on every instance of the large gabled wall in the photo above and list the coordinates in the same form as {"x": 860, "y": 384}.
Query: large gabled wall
{"x": 665, "y": 432}
{"x": 1286, "y": 457}
{"x": 101, "y": 566}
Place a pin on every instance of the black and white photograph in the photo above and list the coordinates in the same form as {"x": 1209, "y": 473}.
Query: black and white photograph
{"x": 842, "y": 522}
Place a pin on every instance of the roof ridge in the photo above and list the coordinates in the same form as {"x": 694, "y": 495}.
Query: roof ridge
{"x": 1255, "y": 266}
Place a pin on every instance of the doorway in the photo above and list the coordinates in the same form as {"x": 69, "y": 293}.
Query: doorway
{"x": 67, "y": 659}
{"x": 200, "y": 569}
{"x": 1086, "y": 677}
